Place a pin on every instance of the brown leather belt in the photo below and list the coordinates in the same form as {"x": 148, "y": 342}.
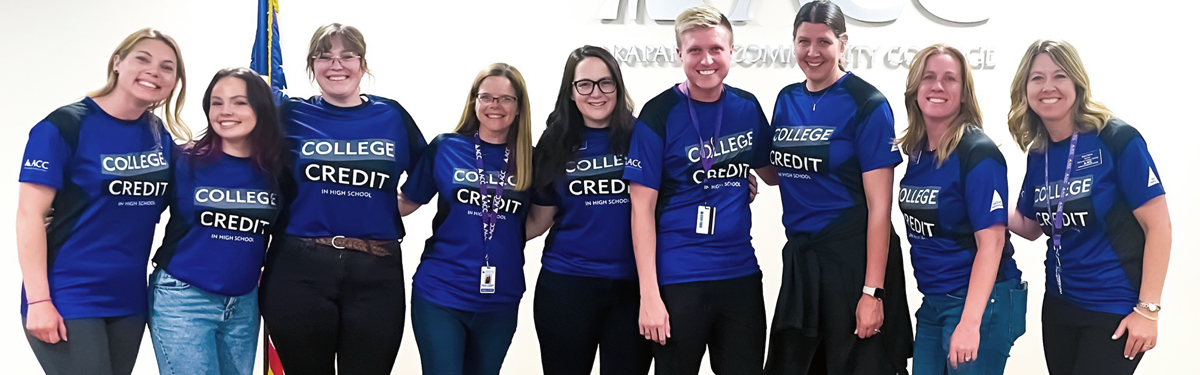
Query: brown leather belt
{"x": 374, "y": 247}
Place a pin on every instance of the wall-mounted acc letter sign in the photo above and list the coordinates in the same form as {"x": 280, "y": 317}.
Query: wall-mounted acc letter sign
{"x": 957, "y": 11}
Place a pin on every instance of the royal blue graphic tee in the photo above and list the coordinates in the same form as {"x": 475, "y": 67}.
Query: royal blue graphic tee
{"x": 1102, "y": 242}
{"x": 221, "y": 213}
{"x": 110, "y": 177}
{"x": 346, "y": 163}
{"x": 591, "y": 235}
{"x": 664, "y": 155}
{"x": 822, "y": 142}
{"x": 943, "y": 207}
{"x": 451, "y": 266}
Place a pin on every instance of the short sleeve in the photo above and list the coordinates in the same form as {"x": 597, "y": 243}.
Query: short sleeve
{"x": 545, "y": 195}
{"x": 643, "y": 165}
{"x": 1137, "y": 174}
{"x": 416, "y": 141}
{"x": 874, "y": 144}
{"x": 986, "y": 191}
{"x": 762, "y": 139}
{"x": 420, "y": 187}
{"x": 1025, "y": 199}
{"x": 46, "y": 156}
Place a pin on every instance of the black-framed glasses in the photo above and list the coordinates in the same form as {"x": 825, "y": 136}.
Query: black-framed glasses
{"x": 488, "y": 99}
{"x": 586, "y": 86}
{"x": 329, "y": 59}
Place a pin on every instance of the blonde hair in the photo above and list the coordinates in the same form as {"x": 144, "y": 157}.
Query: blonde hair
{"x": 969, "y": 115}
{"x": 700, "y": 17}
{"x": 1087, "y": 115}
{"x": 174, "y": 122}
{"x": 520, "y": 133}
{"x": 322, "y": 42}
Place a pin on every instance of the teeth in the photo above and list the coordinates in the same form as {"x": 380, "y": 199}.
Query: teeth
{"x": 936, "y": 100}
{"x": 494, "y": 116}
{"x": 707, "y": 72}
{"x": 337, "y": 78}
{"x": 810, "y": 63}
{"x": 147, "y": 84}
{"x": 227, "y": 123}
{"x": 1050, "y": 101}
{"x": 601, "y": 104}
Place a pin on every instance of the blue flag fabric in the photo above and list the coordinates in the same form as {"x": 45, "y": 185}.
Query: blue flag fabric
{"x": 267, "y": 57}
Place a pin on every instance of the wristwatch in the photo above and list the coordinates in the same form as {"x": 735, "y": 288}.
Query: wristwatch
{"x": 875, "y": 292}
{"x": 1151, "y": 307}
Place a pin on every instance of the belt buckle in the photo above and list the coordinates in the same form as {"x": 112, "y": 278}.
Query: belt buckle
{"x": 333, "y": 242}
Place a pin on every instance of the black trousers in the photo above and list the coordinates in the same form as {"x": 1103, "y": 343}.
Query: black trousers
{"x": 727, "y": 316}
{"x": 1078, "y": 341}
{"x": 319, "y": 303}
{"x": 575, "y": 314}
{"x": 101, "y": 346}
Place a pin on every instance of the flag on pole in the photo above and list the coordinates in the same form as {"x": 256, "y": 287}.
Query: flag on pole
{"x": 267, "y": 57}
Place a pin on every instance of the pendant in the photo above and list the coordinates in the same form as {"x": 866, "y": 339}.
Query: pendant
{"x": 814, "y": 107}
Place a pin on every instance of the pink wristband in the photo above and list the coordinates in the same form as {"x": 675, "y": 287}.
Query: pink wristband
{"x": 31, "y": 303}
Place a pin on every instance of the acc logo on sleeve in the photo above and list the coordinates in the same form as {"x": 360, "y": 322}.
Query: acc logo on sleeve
{"x": 35, "y": 164}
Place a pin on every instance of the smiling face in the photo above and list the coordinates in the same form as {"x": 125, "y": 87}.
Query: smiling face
{"x": 338, "y": 72}
{"x": 147, "y": 73}
{"x": 939, "y": 94}
{"x": 817, "y": 52}
{"x": 706, "y": 53}
{"x": 597, "y": 106}
{"x": 496, "y": 116}
{"x": 230, "y": 114}
{"x": 1050, "y": 92}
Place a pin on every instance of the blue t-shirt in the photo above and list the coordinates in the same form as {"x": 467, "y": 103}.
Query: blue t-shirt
{"x": 664, "y": 155}
{"x": 944, "y": 206}
{"x": 1102, "y": 242}
{"x": 110, "y": 177}
{"x": 221, "y": 212}
{"x": 346, "y": 163}
{"x": 591, "y": 236}
{"x": 821, "y": 154}
{"x": 451, "y": 266}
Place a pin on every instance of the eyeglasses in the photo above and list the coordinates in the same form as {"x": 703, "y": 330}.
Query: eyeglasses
{"x": 488, "y": 99}
{"x": 328, "y": 59}
{"x": 586, "y": 86}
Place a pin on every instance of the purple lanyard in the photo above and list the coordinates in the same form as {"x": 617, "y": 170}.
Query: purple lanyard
{"x": 706, "y": 157}
{"x": 491, "y": 209}
{"x": 1057, "y": 217}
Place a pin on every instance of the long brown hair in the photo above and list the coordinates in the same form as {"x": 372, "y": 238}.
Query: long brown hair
{"x": 520, "y": 136}
{"x": 171, "y": 113}
{"x": 1087, "y": 115}
{"x": 969, "y": 114}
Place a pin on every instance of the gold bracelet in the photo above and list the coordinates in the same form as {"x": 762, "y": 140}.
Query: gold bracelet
{"x": 1144, "y": 315}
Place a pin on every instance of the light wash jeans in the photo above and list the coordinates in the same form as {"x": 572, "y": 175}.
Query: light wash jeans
{"x": 1002, "y": 323}
{"x": 197, "y": 332}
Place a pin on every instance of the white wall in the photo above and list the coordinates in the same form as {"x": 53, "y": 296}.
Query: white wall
{"x": 424, "y": 54}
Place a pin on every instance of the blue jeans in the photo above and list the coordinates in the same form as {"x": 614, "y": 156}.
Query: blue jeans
{"x": 456, "y": 342}
{"x": 197, "y": 332}
{"x": 1002, "y": 323}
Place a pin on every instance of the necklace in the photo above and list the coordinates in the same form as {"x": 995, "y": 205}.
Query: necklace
{"x": 826, "y": 91}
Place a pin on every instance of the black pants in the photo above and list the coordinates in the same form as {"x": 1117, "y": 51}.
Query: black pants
{"x": 574, "y": 314}
{"x": 100, "y": 346}
{"x": 727, "y": 316}
{"x": 1078, "y": 341}
{"x": 319, "y": 303}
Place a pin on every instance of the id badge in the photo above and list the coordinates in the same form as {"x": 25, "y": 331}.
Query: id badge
{"x": 487, "y": 280}
{"x": 706, "y": 219}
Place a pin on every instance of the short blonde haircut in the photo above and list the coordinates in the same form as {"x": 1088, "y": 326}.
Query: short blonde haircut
{"x": 322, "y": 41}
{"x": 700, "y": 17}
{"x": 1087, "y": 115}
{"x": 171, "y": 113}
{"x": 968, "y": 116}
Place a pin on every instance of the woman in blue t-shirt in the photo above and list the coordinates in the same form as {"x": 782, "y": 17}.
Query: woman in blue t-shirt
{"x": 333, "y": 283}
{"x": 469, "y": 284}
{"x": 953, "y": 200}
{"x": 832, "y": 147}
{"x": 1093, "y": 189}
{"x": 204, "y": 290}
{"x": 100, "y": 165}
{"x": 587, "y": 293}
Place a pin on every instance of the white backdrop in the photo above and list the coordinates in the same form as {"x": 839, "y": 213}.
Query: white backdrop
{"x": 424, "y": 54}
